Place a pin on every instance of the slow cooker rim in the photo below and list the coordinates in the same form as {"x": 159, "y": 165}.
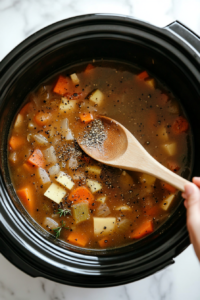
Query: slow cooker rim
{"x": 77, "y": 19}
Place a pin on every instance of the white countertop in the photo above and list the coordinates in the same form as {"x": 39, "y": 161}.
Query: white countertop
{"x": 21, "y": 18}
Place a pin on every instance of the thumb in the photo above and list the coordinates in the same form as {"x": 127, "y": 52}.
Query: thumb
{"x": 192, "y": 195}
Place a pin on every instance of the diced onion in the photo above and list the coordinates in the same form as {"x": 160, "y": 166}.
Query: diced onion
{"x": 103, "y": 210}
{"x": 40, "y": 139}
{"x": 69, "y": 136}
{"x": 72, "y": 163}
{"x": 49, "y": 155}
{"x": 48, "y": 222}
{"x": 13, "y": 157}
{"x": 64, "y": 124}
{"x": 54, "y": 170}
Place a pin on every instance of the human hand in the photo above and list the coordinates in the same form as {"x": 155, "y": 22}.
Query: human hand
{"x": 192, "y": 204}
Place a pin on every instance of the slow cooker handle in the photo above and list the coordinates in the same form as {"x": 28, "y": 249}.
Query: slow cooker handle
{"x": 185, "y": 34}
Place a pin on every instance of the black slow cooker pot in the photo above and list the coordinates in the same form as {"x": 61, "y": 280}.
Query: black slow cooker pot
{"x": 171, "y": 54}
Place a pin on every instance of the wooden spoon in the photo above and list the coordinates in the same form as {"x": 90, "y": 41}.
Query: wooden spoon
{"x": 122, "y": 150}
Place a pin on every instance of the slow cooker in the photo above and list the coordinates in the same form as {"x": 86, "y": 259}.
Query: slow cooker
{"x": 173, "y": 55}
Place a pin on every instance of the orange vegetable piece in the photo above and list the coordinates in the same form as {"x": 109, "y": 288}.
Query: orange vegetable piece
{"x": 16, "y": 142}
{"x": 86, "y": 117}
{"x": 89, "y": 68}
{"x": 37, "y": 159}
{"x": 85, "y": 158}
{"x": 152, "y": 119}
{"x": 153, "y": 211}
{"x": 144, "y": 229}
{"x": 26, "y": 108}
{"x": 78, "y": 239}
{"x": 173, "y": 166}
{"x": 143, "y": 75}
{"x": 42, "y": 118}
{"x": 169, "y": 187}
{"x": 103, "y": 243}
{"x": 26, "y": 196}
{"x": 28, "y": 167}
{"x": 180, "y": 125}
{"x": 81, "y": 194}
{"x": 61, "y": 85}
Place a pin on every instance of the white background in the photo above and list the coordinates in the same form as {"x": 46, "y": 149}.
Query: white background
{"x": 21, "y": 18}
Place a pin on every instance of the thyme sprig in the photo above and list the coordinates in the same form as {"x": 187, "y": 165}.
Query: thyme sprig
{"x": 58, "y": 229}
{"x": 63, "y": 212}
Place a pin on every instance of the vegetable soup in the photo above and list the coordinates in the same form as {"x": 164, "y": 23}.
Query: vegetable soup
{"x": 77, "y": 199}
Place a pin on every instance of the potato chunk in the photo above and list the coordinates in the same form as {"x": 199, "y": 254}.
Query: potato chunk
{"x": 55, "y": 193}
{"x": 151, "y": 83}
{"x": 167, "y": 202}
{"x": 93, "y": 170}
{"x": 97, "y": 97}
{"x": 67, "y": 105}
{"x": 104, "y": 225}
{"x": 94, "y": 185}
{"x": 65, "y": 180}
{"x": 125, "y": 180}
{"x": 162, "y": 133}
{"x": 171, "y": 149}
{"x": 148, "y": 179}
{"x": 75, "y": 78}
{"x": 81, "y": 212}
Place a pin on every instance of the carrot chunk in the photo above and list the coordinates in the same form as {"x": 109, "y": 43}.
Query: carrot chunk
{"x": 81, "y": 194}
{"x": 37, "y": 159}
{"x": 89, "y": 68}
{"x": 26, "y": 196}
{"x": 28, "y": 167}
{"x": 143, "y": 75}
{"x": 169, "y": 187}
{"x": 173, "y": 166}
{"x": 153, "y": 211}
{"x": 61, "y": 85}
{"x": 42, "y": 118}
{"x": 85, "y": 158}
{"x": 142, "y": 230}
{"x": 78, "y": 239}
{"x": 26, "y": 108}
{"x": 180, "y": 125}
{"x": 86, "y": 117}
{"x": 103, "y": 243}
{"x": 16, "y": 142}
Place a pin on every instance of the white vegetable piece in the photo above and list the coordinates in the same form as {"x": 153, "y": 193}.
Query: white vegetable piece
{"x": 19, "y": 121}
{"x": 101, "y": 199}
{"x": 64, "y": 125}
{"x": 103, "y": 210}
{"x": 55, "y": 193}
{"x": 171, "y": 149}
{"x": 50, "y": 155}
{"x": 69, "y": 136}
{"x": 167, "y": 202}
{"x": 13, "y": 157}
{"x": 43, "y": 175}
{"x": 94, "y": 185}
{"x": 50, "y": 223}
{"x": 75, "y": 78}
{"x": 54, "y": 170}
{"x": 65, "y": 180}
{"x": 40, "y": 139}
{"x": 147, "y": 179}
{"x": 67, "y": 105}
{"x": 123, "y": 207}
{"x": 97, "y": 97}
{"x": 93, "y": 170}
{"x": 104, "y": 225}
{"x": 72, "y": 163}
{"x": 31, "y": 125}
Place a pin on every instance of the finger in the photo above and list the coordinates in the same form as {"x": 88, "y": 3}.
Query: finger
{"x": 193, "y": 205}
{"x": 184, "y": 195}
{"x": 185, "y": 203}
{"x": 196, "y": 180}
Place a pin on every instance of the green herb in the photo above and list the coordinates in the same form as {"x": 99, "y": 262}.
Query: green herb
{"x": 58, "y": 229}
{"x": 63, "y": 211}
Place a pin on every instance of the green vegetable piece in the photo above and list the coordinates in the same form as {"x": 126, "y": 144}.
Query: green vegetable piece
{"x": 81, "y": 212}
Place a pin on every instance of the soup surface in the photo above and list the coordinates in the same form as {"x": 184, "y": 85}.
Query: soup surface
{"x": 75, "y": 198}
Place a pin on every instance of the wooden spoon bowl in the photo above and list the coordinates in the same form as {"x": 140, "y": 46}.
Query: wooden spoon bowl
{"x": 122, "y": 150}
